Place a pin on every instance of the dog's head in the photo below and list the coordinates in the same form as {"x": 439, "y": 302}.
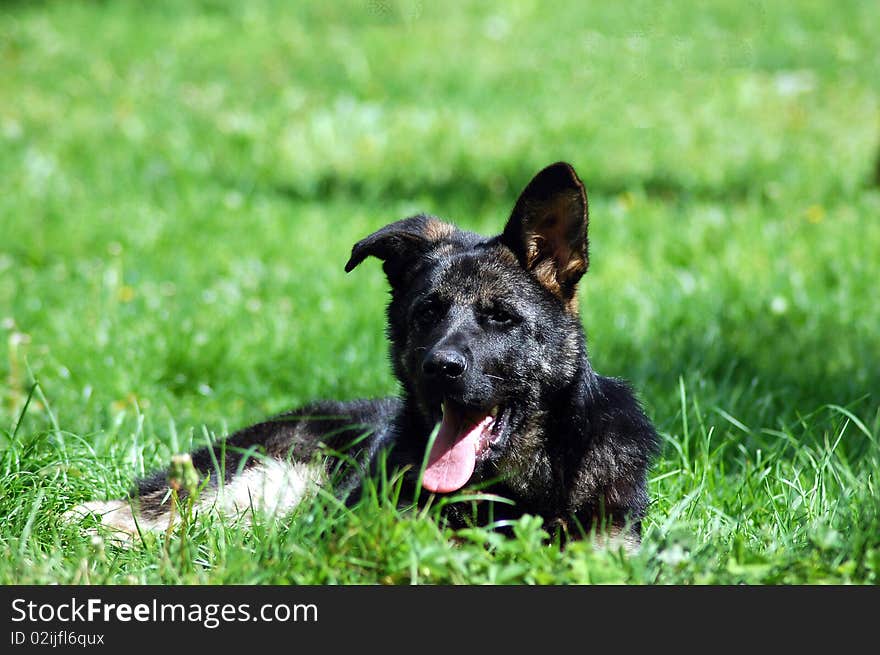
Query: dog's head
{"x": 484, "y": 331}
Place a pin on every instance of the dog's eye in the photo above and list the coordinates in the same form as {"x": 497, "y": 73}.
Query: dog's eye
{"x": 501, "y": 316}
{"x": 428, "y": 311}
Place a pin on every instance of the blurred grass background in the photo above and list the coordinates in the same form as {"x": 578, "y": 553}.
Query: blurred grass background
{"x": 182, "y": 183}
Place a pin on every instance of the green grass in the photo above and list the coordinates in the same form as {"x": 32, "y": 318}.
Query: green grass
{"x": 182, "y": 183}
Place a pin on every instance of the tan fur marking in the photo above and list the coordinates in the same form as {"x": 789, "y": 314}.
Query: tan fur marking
{"x": 437, "y": 230}
{"x": 545, "y": 271}
{"x": 549, "y": 254}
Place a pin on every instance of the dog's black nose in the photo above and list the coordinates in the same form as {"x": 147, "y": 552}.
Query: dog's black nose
{"x": 446, "y": 364}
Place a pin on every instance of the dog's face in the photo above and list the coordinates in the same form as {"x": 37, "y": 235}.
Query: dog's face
{"x": 484, "y": 331}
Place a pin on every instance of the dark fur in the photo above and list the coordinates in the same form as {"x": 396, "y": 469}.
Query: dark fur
{"x": 576, "y": 446}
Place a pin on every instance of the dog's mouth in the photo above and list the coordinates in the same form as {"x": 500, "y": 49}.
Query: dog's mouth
{"x": 466, "y": 437}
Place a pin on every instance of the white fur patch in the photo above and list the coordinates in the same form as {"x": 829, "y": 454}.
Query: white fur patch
{"x": 615, "y": 539}
{"x": 114, "y": 514}
{"x": 271, "y": 487}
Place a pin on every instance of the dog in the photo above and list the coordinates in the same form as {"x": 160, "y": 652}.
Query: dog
{"x": 497, "y": 392}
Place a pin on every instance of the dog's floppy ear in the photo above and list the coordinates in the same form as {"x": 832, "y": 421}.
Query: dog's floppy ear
{"x": 401, "y": 245}
{"x": 547, "y": 230}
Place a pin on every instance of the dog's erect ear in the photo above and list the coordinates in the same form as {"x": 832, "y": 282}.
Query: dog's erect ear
{"x": 547, "y": 230}
{"x": 401, "y": 245}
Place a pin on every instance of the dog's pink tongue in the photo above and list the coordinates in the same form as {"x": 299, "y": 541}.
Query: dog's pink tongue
{"x": 454, "y": 454}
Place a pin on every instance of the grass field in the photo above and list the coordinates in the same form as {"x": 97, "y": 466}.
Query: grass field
{"x": 182, "y": 184}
